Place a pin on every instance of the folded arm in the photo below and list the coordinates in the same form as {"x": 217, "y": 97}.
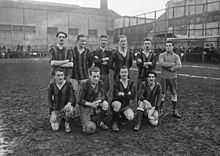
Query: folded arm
{"x": 58, "y": 62}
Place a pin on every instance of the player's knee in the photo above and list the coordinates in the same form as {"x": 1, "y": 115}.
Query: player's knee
{"x": 89, "y": 128}
{"x": 116, "y": 105}
{"x": 147, "y": 104}
{"x": 55, "y": 126}
{"x": 154, "y": 122}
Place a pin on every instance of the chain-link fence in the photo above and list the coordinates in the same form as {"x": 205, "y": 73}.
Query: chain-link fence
{"x": 194, "y": 26}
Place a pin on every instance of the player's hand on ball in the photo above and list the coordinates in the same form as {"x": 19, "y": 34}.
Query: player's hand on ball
{"x": 104, "y": 105}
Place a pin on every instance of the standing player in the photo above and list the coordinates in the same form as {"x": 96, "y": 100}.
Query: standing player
{"x": 60, "y": 56}
{"x": 149, "y": 99}
{"x": 61, "y": 101}
{"x": 122, "y": 57}
{"x": 82, "y": 61}
{"x": 123, "y": 94}
{"x": 101, "y": 59}
{"x": 93, "y": 102}
{"x": 146, "y": 61}
{"x": 170, "y": 63}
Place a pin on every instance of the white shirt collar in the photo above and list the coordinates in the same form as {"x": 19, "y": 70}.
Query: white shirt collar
{"x": 59, "y": 46}
{"x": 103, "y": 49}
{"x": 123, "y": 53}
{"x": 61, "y": 85}
{"x": 81, "y": 50}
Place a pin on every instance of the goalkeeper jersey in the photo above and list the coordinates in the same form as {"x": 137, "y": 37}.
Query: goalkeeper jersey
{"x": 169, "y": 58}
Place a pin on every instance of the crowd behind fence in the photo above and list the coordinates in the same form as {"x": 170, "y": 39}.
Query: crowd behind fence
{"x": 197, "y": 23}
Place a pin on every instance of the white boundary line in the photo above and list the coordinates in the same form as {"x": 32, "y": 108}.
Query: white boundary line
{"x": 188, "y": 75}
{"x": 203, "y": 67}
{"x": 200, "y": 77}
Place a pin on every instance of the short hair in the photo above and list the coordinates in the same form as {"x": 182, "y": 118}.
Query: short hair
{"x": 123, "y": 67}
{"x": 147, "y": 39}
{"x": 61, "y": 32}
{"x": 103, "y": 36}
{"x": 59, "y": 69}
{"x": 79, "y": 36}
{"x": 170, "y": 41}
{"x": 94, "y": 69}
{"x": 151, "y": 72}
{"x": 122, "y": 36}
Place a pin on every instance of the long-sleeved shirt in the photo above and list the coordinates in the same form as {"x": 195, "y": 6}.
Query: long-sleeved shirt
{"x": 151, "y": 95}
{"x": 81, "y": 63}
{"x": 118, "y": 60}
{"x": 90, "y": 94}
{"x": 129, "y": 93}
{"x": 141, "y": 58}
{"x": 165, "y": 69}
{"x": 58, "y": 54}
{"x": 58, "y": 98}
{"x": 99, "y": 57}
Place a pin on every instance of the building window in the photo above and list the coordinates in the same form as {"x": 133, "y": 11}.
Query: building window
{"x": 198, "y": 9}
{"x": 212, "y": 28}
{"x": 170, "y": 12}
{"x": 4, "y": 27}
{"x": 178, "y": 11}
{"x": 190, "y": 10}
{"x": 18, "y": 28}
{"x": 52, "y": 30}
{"x": 29, "y": 29}
{"x": 73, "y": 31}
{"x": 213, "y": 6}
{"x": 92, "y": 33}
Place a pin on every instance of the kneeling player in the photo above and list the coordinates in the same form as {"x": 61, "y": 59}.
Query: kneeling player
{"x": 93, "y": 102}
{"x": 61, "y": 101}
{"x": 123, "y": 93}
{"x": 148, "y": 101}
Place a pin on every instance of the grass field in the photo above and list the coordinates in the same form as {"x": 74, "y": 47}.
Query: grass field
{"x": 25, "y": 129}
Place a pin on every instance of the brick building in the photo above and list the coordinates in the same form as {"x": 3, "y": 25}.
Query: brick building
{"x": 25, "y": 22}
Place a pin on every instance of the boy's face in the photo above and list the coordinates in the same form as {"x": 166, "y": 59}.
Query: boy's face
{"x": 124, "y": 73}
{"x": 151, "y": 78}
{"x": 82, "y": 42}
{"x": 103, "y": 42}
{"x": 61, "y": 39}
{"x": 123, "y": 42}
{"x": 59, "y": 76}
{"x": 94, "y": 77}
{"x": 147, "y": 45}
{"x": 169, "y": 47}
